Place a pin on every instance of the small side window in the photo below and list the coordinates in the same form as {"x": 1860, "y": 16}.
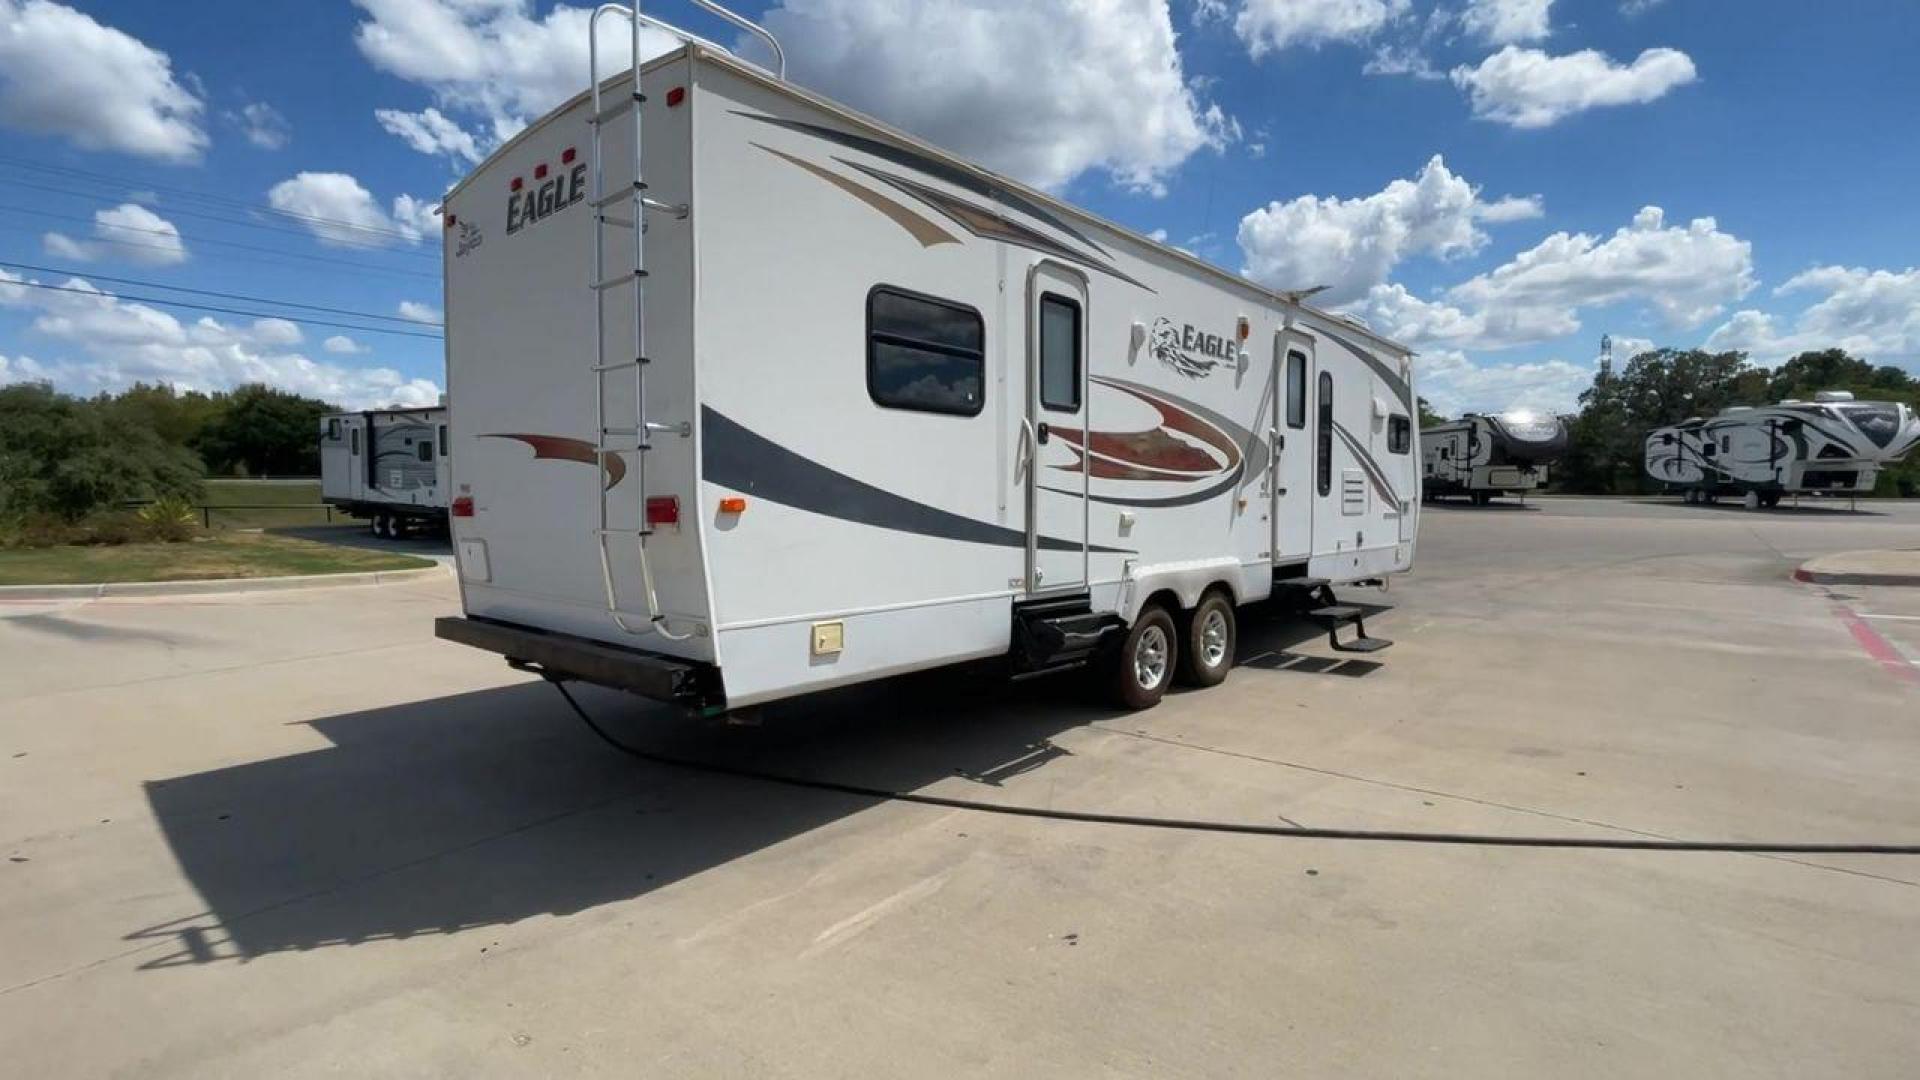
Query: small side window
{"x": 924, "y": 353}
{"x": 1666, "y": 439}
{"x": 1324, "y": 448}
{"x": 354, "y": 449}
{"x": 1296, "y": 390}
{"x": 425, "y": 450}
{"x": 1726, "y": 442}
{"x": 1059, "y": 353}
{"x": 443, "y": 440}
{"x": 333, "y": 429}
{"x": 1445, "y": 453}
{"x": 1399, "y": 434}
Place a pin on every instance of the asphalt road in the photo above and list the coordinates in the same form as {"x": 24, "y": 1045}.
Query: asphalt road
{"x": 292, "y": 834}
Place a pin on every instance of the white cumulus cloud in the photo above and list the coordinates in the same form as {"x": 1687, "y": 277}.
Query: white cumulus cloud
{"x": 339, "y": 212}
{"x": 129, "y": 232}
{"x": 1453, "y": 383}
{"x": 119, "y": 342}
{"x": 1687, "y": 274}
{"x": 1874, "y": 314}
{"x": 342, "y": 345}
{"x": 263, "y": 125}
{"x": 1503, "y": 22}
{"x": 1527, "y": 88}
{"x": 419, "y": 312}
{"x": 1352, "y": 244}
{"x": 1271, "y": 25}
{"x": 1042, "y": 91}
{"x": 431, "y": 132}
{"x": 63, "y": 73}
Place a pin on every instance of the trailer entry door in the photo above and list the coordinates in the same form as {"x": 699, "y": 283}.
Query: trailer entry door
{"x": 1055, "y": 430}
{"x": 1291, "y": 485}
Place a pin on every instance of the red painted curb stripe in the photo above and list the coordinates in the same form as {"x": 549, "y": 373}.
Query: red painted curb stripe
{"x": 1877, "y": 647}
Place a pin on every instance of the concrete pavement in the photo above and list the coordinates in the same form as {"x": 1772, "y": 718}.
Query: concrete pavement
{"x": 291, "y": 833}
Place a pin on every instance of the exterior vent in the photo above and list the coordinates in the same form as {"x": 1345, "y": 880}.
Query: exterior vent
{"x": 1353, "y": 492}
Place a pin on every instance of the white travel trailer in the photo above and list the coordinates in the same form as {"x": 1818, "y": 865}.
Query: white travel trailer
{"x": 388, "y": 466}
{"x": 1832, "y": 444}
{"x": 848, "y": 407}
{"x": 1484, "y": 456}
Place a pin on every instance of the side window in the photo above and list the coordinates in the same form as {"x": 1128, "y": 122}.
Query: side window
{"x": 1726, "y": 442}
{"x": 425, "y": 450}
{"x": 1325, "y": 454}
{"x": 1059, "y": 353}
{"x": 1296, "y": 390}
{"x": 1443, "y": 453}
{"x": 1399, "y": 434}
{"x": 924, "y": 354}
{"x": 443, "y": 440}
{"x": 355, "y": 447}
{"x": 1666, "y": 439}
{"x": 333, "y": 429}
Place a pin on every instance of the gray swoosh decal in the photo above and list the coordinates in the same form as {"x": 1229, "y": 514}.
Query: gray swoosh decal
{"x": 736, "y": 457}
{"x": 1368, "y": 465}
{"x": 1387, "y": 375}
{"x": 933, "y": 167}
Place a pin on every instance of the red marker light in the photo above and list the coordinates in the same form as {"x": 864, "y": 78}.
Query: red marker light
{"x": 566, "y": 156}
{"x": 663, "y": 510}
{"x": 676, "y": 95}
{"x": 449, "y": 221}
{"x": 463, "y": 506}
{"x": 515, "y": 186}
{"x": 540, "y": 171}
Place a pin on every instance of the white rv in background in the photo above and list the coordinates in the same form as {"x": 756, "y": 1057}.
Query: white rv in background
{"x": 1484, "y": 456}
{"x": 867, "y": 408}
{"x": 1832, "y": 444}
{"x": 388, "y": 466}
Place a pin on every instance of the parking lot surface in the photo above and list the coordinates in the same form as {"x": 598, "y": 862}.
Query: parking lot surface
{"x": 292, "y": 834}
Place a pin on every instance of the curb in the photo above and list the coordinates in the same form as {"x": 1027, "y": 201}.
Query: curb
{"x": 216, "y": 585}
{"x": 1822, "y": 577}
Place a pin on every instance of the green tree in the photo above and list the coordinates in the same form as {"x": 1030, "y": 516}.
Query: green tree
{"x": 63, "y": 456}
{"x": 180, "y": 418}
{"x": 262, "y": 431}
{"x": 1429, "y": 418}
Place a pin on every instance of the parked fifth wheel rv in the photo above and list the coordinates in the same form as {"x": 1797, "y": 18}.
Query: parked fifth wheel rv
{"x": 1832, "y": 444}
{"x": 847, "y": 406}
{"x": 388, "y": 466}
{"x": 1484, "y": 456}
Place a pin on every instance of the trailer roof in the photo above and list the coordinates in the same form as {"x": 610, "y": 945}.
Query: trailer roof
{"x": 780, "y": 86}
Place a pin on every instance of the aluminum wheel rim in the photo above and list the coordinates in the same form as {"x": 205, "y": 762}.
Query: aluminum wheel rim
{"x": 1213, "y": 638}
{"x": 1150, "y": 658}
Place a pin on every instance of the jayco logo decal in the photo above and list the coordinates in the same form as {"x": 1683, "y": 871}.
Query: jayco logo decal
{"x": 1186, "y": 350}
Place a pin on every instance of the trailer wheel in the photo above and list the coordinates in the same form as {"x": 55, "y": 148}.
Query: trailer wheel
{"x": 1751, "y": 501}
{"x": 1140, "y": 671}
{"x": 1207, "y": 653}
{"x": 382, "y": 526}
{"x": 1770, "y": 500}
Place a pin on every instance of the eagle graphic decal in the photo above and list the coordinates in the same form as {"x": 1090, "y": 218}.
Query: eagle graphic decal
{"x": 1165, "y": 345}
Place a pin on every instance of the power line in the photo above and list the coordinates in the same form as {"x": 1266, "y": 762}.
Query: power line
{"x": 132, "y": 186}
{"x": 256, "y": 260}
{"x": 222, "y": 243}
{"x": 222, "y": 310}
{"x": 221, "y": 295}
{"x": 178, "y": 211}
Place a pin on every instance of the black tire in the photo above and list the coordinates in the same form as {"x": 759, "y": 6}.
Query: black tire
{"x": 1481, "y": 498}
{"x": 1129, "y": 668}
{"x": 1770, "y": 500}
{"x": 1207, "y": 647}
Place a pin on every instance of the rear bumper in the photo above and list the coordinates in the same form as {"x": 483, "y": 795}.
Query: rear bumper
{"x": 662, "y": 678}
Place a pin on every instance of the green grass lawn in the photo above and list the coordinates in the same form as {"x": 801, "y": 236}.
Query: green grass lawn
{"x": 287, "y": 502}
{"x": 217, "y": 554}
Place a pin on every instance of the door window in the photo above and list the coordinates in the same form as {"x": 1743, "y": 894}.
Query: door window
{"x": 1296, "y": 390}
{"x": 1059, "y": 353}
{"x": 1325, "y": 454}
{"x": 354, "y": 446}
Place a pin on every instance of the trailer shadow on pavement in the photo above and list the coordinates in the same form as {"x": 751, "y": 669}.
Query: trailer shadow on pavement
{"x": 495, "y": 806}
{"x": 1785, "y": 509}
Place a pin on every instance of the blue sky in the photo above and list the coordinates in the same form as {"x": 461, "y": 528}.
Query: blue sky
{"x": 1473, "y": 176}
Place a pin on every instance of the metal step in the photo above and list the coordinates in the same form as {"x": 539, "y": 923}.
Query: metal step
{"x": 1362, "y": 645}
{"x": 622, "y": 195}
{"x": 627, "y": 278}
{"x": 613, "y": 111}
{"x": 1053, "y": 636}
{"x": 1308, "y": 583}
{"x": 1338, "y": 613}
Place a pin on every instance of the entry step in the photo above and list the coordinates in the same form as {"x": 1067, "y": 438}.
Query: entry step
{"x": 1361, "y": 644}
{"x": 1307, "y": 583}
{"x": 1338, "y": 613}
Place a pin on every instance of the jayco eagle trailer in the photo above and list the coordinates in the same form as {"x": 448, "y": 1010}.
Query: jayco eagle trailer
{"x": 1831, "y": 444}
{"x": 386, "y": 465}
{"x": 1483, "y": 456}
{"x": 847, "y": 406}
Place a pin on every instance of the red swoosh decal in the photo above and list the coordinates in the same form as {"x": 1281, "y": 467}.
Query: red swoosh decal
{"x": 567, "y": 449}
{"x": 1151, "y": 454}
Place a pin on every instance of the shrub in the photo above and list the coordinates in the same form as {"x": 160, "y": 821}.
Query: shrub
{"x": 170, "y": 520}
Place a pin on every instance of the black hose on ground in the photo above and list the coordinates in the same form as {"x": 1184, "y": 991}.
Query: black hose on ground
{"x": 1745, "y": 847}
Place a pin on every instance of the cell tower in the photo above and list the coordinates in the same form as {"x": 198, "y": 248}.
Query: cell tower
{"x": 1606, "y": 357}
